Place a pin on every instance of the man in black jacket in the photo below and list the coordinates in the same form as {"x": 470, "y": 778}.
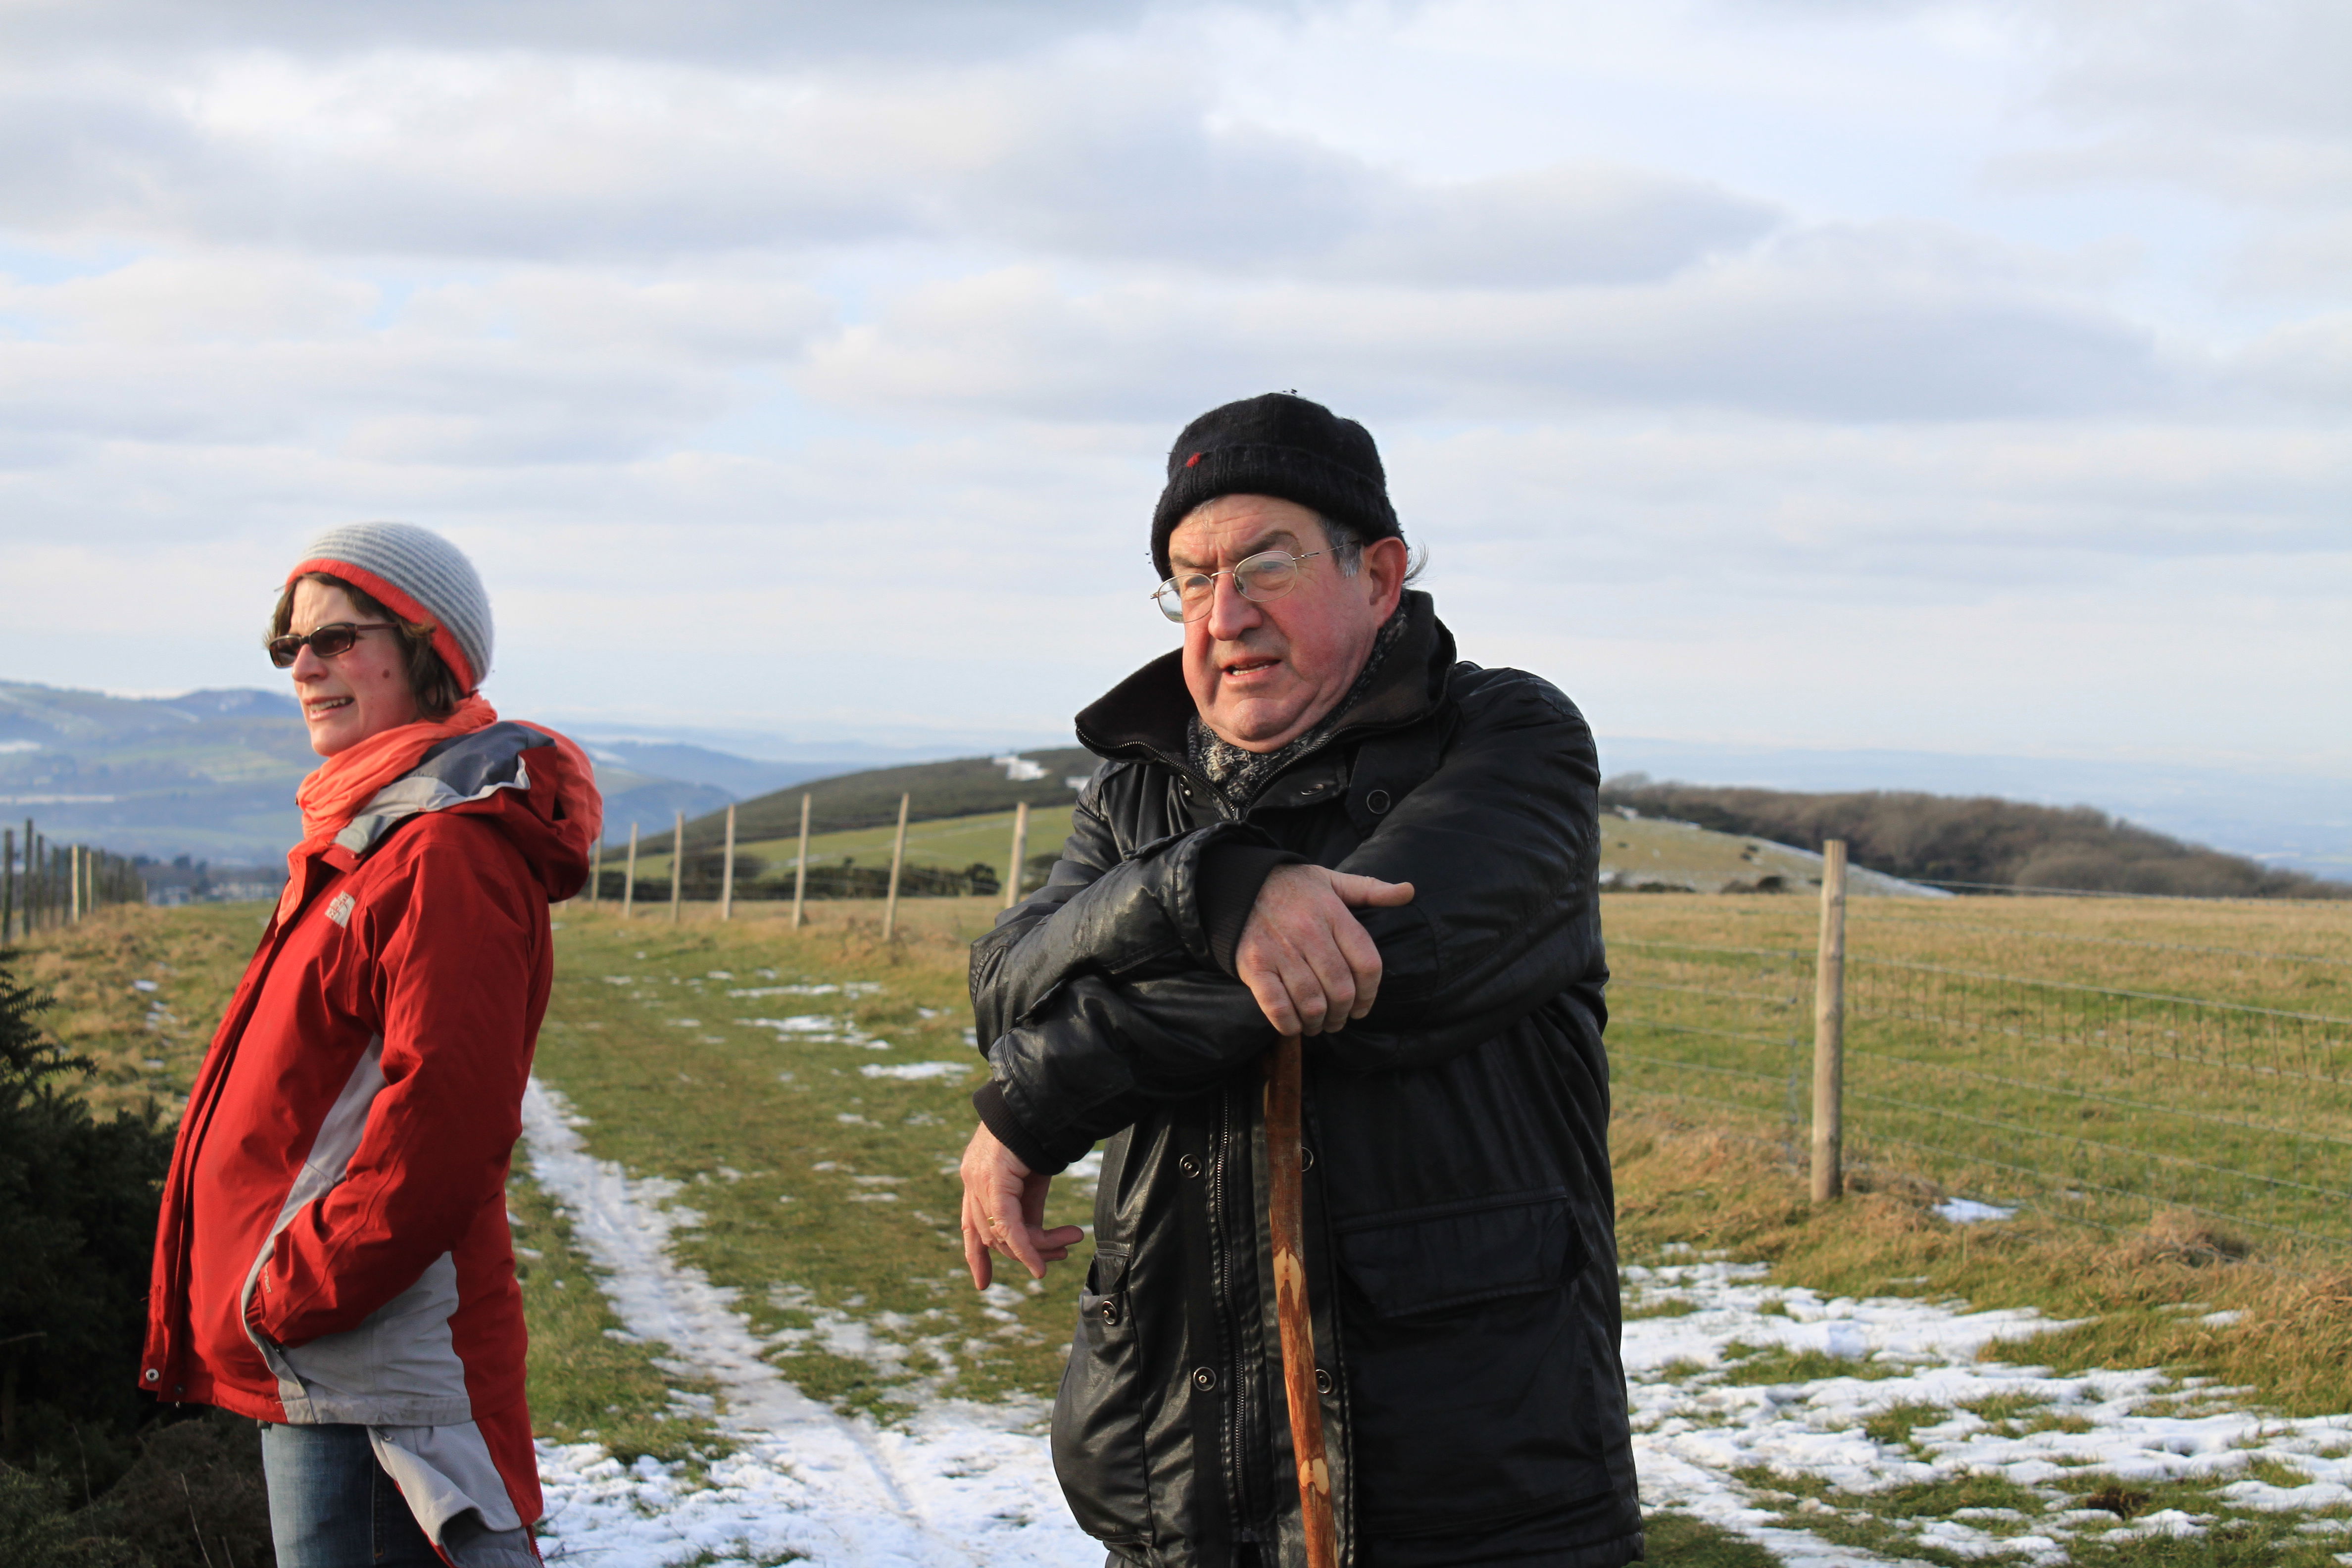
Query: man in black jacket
{"x": 1312, "y": 819}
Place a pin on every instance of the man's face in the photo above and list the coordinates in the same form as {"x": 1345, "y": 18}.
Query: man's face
{"x": 1264, "y": 674}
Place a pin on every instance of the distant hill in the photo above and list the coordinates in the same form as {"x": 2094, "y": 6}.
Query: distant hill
{"x": 210, "y": 776}
{"x": 967, "y": 786}
{"x": 1975, "y": 838}
{"x": 648, "y": 783}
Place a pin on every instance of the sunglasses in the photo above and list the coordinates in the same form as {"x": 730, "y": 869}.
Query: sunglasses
{"x": 327, "y": 641}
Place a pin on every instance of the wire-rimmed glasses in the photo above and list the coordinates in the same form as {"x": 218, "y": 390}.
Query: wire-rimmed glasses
{"x": 1267, "y": 575}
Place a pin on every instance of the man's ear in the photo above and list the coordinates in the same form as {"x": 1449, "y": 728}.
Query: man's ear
{"x": 1386, "y": 562}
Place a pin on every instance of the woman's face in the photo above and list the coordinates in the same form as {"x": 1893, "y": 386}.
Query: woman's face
{"x": 354, "y": 695}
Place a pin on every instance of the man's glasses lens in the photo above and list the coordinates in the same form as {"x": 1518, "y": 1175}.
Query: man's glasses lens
{"x": 338, "y": 637}
{"x": 1262, "y": 577}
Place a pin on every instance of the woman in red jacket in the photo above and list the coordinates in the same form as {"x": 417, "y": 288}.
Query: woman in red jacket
{"x": 333, "y": 1257}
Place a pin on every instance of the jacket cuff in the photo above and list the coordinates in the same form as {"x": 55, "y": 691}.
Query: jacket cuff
{"x": 1230, "y": 876}
{"x": 998, "y": 1118}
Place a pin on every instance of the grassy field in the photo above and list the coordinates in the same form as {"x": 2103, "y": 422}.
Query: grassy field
{"x": 811, "y": 1091}
{"x": 953, "y": 843}
{"x": 2098, "y": 1057}
{"x": 752, "y": 1065}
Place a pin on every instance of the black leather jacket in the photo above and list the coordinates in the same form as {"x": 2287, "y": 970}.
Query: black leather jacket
{"x": 1462, "y": 1254}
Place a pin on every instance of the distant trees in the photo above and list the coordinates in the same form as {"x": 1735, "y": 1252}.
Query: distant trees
{"x": 1973, "y": 838}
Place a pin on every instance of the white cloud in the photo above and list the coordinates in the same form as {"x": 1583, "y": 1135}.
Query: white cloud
{"x": 1885, "y": 322}
{"x": 1829, "y": 373}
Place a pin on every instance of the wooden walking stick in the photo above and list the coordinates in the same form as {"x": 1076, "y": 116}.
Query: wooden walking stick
{"x": 1286, "y": 1221}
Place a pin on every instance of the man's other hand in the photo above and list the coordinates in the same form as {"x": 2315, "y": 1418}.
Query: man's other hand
{"x": 1310, "y": 963}
{"x": 1004, "y": 1211}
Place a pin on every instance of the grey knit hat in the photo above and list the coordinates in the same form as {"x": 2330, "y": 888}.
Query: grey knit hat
{"x": 418, "y": 575}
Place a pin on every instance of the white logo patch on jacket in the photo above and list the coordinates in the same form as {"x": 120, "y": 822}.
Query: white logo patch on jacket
{"x": 340, "y": 911}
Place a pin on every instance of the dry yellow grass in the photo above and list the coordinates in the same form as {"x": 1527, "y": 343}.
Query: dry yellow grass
{"x": 2021, "y": 1051}
{"x": 2150, "y": 1294}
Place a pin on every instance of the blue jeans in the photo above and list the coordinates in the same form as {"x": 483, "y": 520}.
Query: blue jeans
{"x": 332, "y": 1506}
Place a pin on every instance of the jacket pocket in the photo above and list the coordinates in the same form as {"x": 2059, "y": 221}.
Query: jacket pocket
{"x": 1457, "y": 1255}
{"x": 1482, "y": 1380}
{"x": 1098, "y": 1418}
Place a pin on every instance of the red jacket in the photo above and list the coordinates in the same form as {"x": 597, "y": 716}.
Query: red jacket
{"x": 334, "y": 1244}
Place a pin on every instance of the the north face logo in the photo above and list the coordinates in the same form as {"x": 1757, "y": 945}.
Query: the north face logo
{"x": 340, "y": 911}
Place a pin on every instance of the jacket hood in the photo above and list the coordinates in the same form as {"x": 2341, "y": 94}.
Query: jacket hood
{"x": 1148, "y": 714}
{"x": 536, "y": 786}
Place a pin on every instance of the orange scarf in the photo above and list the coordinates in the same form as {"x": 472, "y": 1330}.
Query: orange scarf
{"x": 334, "y": 792}
{"x": 341, "y": 785}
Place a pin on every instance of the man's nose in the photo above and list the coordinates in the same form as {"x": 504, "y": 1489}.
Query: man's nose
{"x": 1230, "y": 613}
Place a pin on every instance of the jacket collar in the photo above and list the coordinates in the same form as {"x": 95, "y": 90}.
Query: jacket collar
{"x": 1147, "y": 715}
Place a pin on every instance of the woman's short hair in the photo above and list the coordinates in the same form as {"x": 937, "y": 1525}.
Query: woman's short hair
{"x": 429, "y": 675}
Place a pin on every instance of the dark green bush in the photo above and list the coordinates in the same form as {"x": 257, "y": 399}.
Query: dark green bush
{"x": 92, "y": 1473}
{"x": 78, "y": 1203}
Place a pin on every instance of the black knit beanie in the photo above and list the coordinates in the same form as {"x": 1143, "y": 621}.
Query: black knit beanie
{"x": 1277, "y": 445}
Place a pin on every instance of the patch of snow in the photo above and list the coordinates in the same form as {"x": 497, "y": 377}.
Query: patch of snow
{"x": 961, "y": 1485}
{"x": 821, "y": 1028}
{"x": 1968, "y": 1210}
{"x": 913, "y": 1072}
{"x": 1693, "y": 1431}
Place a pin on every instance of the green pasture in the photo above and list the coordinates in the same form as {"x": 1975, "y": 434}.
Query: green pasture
{"x": 952, "y": 843}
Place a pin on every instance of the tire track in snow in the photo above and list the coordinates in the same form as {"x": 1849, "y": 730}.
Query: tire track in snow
{"x": 965, "y": 1485}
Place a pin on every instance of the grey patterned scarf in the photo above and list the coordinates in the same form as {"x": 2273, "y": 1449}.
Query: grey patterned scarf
{"x": 1238, "y": 775}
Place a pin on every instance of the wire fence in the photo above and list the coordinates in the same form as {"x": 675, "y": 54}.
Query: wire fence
{"x": 2090, "y": 1102}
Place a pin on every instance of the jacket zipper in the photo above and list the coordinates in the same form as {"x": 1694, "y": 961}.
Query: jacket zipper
{"x": 1245, "y": 1492}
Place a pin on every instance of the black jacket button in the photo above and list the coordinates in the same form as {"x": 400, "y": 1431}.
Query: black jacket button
{"x": 1323, "y": 1380}
{"x": 1109, "y": 1312}
{"x": 1190, "y": 1165}
{"x": 1205, "y": 1378}
{"x": 1377, "y": 802}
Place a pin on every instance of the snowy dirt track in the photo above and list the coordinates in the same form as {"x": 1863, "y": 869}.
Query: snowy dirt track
{"x": 1872, "y": 1397}
{"x": 962, "y": 1485}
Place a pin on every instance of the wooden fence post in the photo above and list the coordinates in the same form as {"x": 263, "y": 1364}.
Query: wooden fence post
{"x": 676, "y": 863}
{"x": 727, "y": 872}
{"x": 898, "y": 859}
{"x": 24, "y": 895}
{"x": 595, "y": 865}
{"x": 629, "y": 877}
{"x": 800, "y": 869}
{"x": 7, "y": 882}
{"x": 1020, "y": 853}
{"x": 1829, "y": 1030}
{"x": 77, "y": 862}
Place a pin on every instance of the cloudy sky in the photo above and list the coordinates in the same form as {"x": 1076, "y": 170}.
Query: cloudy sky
{"x": 1963, "y": 378}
